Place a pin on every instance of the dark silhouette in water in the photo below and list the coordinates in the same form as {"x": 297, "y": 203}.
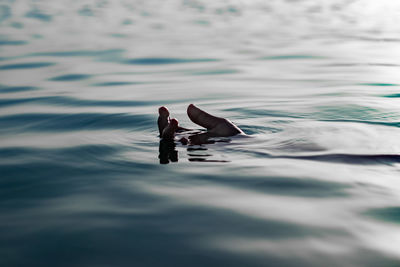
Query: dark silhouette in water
{"x": 216, "y": 126}
{"x": 168, "y": 133}
{"x": 163, "y": 119}
{"x": 167, "y": 151}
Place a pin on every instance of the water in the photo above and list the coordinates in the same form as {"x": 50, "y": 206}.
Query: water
{"x": 314, "y": 84}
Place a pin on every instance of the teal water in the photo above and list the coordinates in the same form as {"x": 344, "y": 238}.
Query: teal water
{"x": 314, "y": 85}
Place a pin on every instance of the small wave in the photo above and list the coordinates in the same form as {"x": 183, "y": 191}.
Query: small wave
{"x": 86, "y": 11}
{"x": 164, "y": 61}
{"x": 351, "y": 158}
{"x": 70, "y": 77}
{"x": 207, "y": 160}
{"x": 30, "y": 65}
{"x": 80, "y": 53}
{"x": 17, "y": 25}
{"x": 357, "y": 159}
{"x": 116, "y": 83}
{"x": 12, "y": 42}
{"x": 290, "y": 57}
{"x": 345, "y": 65}
{"x": 389, "y": 214}
{"x": 379, "y": 84}
{"x": 74, "y": 102}
{"x": 99, "y": 151}
{"x": 392, "y": 96}
{"x": 391, "y": 124}
{"x": 15, "y": 89}
{"x": 42, "y": 122}
{"x": 257, "y": 129}
{"x": 214, "y": 72}
{"x": 304, "y": 187}
{"x": 266, "y": 113}
{"x": 39, "y": 15}
{"x": 370, "y": 38}
{"x": 5, "y": 12}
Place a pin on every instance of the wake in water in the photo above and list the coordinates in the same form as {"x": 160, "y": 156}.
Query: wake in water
{"x": 222, "y": 127}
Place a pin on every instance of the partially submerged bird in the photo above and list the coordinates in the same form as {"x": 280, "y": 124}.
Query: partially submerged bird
{"x": 169, "y": 131}
{"x": 216, "y": 126}
{"x": 163, "y": 119}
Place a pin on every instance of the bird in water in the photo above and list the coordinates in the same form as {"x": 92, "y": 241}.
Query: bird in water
{"x": 216, "y": 126}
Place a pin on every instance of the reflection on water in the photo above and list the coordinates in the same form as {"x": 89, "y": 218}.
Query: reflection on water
{"x": 314, "y": 85}
{"x": 195, "y": 148}
{"x": 167, "y": 152}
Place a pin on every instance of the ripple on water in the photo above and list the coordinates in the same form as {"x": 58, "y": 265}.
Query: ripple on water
{"x": 15, "y": 89}
{"x": 86, "y": 11}
{"x": 30, "y": 65}
{"x": 266, "y": 113}
{"x": 17, "y": 25}
{"x": 70, "y": 77}
{"x": 349, "y": 111}
{"x": 39, "y": 15}
{"x": 214, "y": 72}
{"x": 105, "y": 84}
{"x": 12, "y": 42}
{"x": 258, "y": 129}
{"x": 388, "y": 214}
{"x": 392, "y": 96}
{"x": 76, "y": 102}
{"x": 48, "y": 122}
{"x": 334, "y": 113}
{"x": 102, "y": 55}
{"x": 88, "y": 152}
{"x": 78, "y": 53}
{"x": 283, "y": 185}
{"x": 379, "y": 84}
{"x": 359, "y": 159}
{"x": 79, "y": 167}
{"x": 291, "y": 57}
{"x": 164, "y": 61}
{"x": 5, "y": 12}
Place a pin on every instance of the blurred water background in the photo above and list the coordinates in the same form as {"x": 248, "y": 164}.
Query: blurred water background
{"x": 315, "y": 85}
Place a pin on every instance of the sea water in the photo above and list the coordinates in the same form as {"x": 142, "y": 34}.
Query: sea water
{"x": 313, "y": 84}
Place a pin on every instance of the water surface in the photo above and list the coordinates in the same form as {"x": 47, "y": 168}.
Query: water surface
{"x": 314, "y": 85}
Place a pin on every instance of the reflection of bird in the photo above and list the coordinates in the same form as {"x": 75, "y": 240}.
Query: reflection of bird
{"x": 167, "y": 151}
